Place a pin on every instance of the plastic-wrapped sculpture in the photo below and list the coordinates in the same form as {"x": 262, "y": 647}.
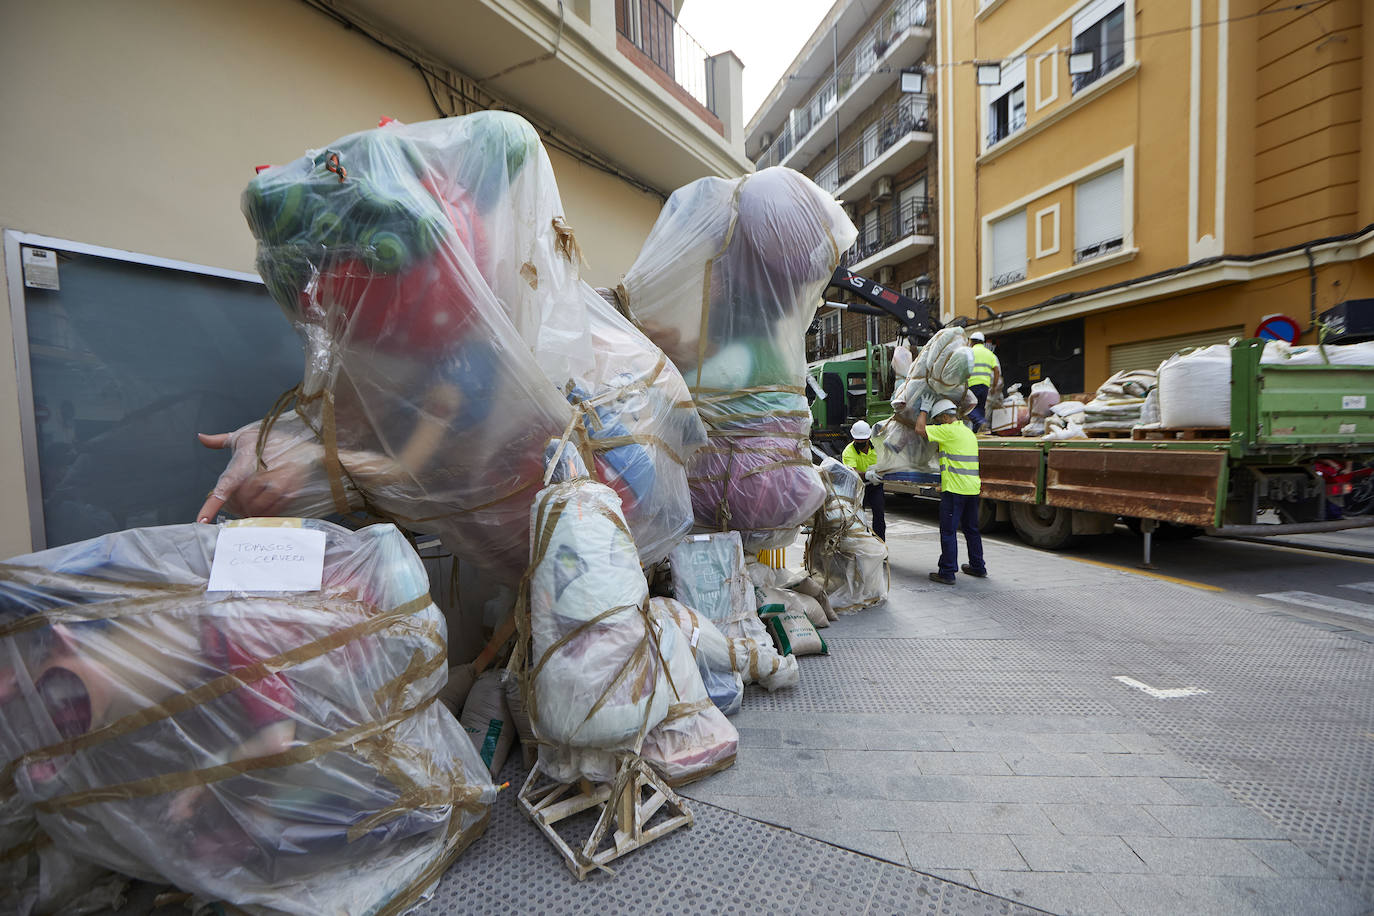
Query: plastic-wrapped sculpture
{"x": 709, "y": 577}
{"x": 694, "y": 739}
{"x": 595, "y": 683}
{"x": 712, "y": 650}
{"x": 429, "y": 272}
{"x": 282, "y": 752}
{"x": 726, "y": 284}
{"x": 848, "y": 560}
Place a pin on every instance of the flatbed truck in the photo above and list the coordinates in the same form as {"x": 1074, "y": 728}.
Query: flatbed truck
{"x": 1286, "y": 421}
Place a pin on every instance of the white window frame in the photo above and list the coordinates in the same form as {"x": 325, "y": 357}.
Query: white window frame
{"x": 1013, "y": 76}
{"x": 989, "y": 232}
{"x": 1042, "y": 249}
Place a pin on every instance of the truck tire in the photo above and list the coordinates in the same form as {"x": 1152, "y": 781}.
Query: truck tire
{"x": 987, "y": 516}
{"x": 1046, "y": 527}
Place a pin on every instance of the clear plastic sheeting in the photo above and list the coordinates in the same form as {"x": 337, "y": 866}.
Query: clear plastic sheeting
{"x": 727, "y": 283}
{"x": 843, "y": 556}
{"x": 435, "y": 284}
{"x": 944, "y": 363}
{"x": 282, "y": 752}
{"x": 694, "y": 739}
{"x": 1281, "y": 353}
{"x": 709, "y": 577}
{"x": 595, "y": 682}
{"x": 712, "y": 651}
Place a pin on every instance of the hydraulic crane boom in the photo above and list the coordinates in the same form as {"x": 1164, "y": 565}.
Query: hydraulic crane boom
{"x": 913, "y": 317}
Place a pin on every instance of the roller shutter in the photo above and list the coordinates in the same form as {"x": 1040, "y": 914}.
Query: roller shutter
{"x": 1148, "y": 354}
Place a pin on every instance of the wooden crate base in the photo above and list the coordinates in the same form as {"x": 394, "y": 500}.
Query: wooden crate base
{"x": 1186, "y": 433}
{"x": 1108, "y": 433}
{"x": 623, "y": 804}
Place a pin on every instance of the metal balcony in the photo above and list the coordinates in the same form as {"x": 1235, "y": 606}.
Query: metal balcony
{"x": 651, "y": 27}
{"x": 898, "y": 39}
{"x": 900, "y": 135}
{"x": 901, "y": 231}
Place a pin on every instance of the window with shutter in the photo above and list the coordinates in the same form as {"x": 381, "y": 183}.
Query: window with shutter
{"x": 1099, "y": 29}
{"x": 1008, "y": 260}
{"x": 1097, "y": 215}
{"x": 913, "y": 210}
{"x": 1006, "y": 113}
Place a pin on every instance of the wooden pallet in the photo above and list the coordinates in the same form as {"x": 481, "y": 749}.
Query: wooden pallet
{"x": 1185, "y": 433}
{"x": 637, "y": 820}
{"x": 1108, "y": 433}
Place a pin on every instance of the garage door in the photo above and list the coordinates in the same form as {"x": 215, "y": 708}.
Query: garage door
{"x": 1148, "y": 354}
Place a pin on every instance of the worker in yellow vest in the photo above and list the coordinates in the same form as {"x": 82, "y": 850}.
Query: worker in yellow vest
{"x": 986, "y": 374}
{"x": 861, "y": 456}
{"x": 959, "y": 489}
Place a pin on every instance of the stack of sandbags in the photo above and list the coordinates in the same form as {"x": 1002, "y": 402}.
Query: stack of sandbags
{"x": 1119, "y": 400}
{"x": 1065, "y": 414}
{"x": 1195, "y": 389}
{"x": 435, "y": 285}
{"x": 710, "y": 578}
{"x": 727, "y": 283}
{"x": 842, "y": 554}
{"x": 280, "y": 751}
{"x": 1281, "y": 353}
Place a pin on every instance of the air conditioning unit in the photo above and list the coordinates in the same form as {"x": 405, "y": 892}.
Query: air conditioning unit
{"x": 883, "y": 189}
{"x": 887, "y": 276}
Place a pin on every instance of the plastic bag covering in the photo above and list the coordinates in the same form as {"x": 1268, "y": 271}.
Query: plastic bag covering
{"x": 901, "y": 360}
{"x": 709, "y": 576}
{"x": 596, "y": 683}
{"x": 727, "y": 283}
{"x": 1043, "y": 396}
{"x": 1280, "y": 352}
{"x": 694, "y": 739}
{"x": 282, "y": 752}
{"x": 1195, "y": 389}
{"x": 944, "y": 363}
{"x": 425, "y": 267}
{"x": 711, "y": 650}
{"x": 847, "y": 559}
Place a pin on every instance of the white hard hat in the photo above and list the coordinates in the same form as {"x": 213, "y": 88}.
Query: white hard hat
{"x": 977, "y": 335}
{"x": 861, "y": 430}
{"x": 944, "y": 405}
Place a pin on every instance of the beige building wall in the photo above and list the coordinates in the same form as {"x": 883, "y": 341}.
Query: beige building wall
{"x": 136, "y": 126}
{"x": 1236, "y": 139}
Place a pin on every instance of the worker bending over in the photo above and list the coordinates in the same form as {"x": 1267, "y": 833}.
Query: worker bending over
{"x": 959, "y": 489}
{"x": 986, "y": 374}
{"x": 861, "y": 456}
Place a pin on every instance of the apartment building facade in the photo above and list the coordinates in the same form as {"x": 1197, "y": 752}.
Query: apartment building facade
{"x": 855, "y": 113}
{"x": 132, "y": 310}
{"x": 1145, "y": 176}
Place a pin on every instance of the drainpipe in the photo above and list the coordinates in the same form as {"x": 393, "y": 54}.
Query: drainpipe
{"x": 1311, "y": 290}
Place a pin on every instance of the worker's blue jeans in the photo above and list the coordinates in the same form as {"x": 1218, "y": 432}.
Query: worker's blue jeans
{"x": 978, "y": 415}
{"x": 959, "y": 512}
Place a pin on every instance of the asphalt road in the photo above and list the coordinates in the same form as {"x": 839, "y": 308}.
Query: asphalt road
{"x": 1296, "y": 573}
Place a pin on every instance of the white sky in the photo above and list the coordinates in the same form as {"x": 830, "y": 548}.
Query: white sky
{"x": 764, "y": 34}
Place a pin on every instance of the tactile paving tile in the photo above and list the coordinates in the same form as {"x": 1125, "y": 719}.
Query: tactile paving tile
{"x": 724, "y": 863}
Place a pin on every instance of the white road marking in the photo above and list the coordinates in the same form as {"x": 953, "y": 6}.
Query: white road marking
{"x": 1325, "y": 603}
{"x": 1167, "y": 693}
{"x": 1361, "y": 586}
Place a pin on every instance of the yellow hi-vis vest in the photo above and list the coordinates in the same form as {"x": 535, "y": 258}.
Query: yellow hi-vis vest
{"x": 958, "y": 457}
{"x": 984, "y": 365}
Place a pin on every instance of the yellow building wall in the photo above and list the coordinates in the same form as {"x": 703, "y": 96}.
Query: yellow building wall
{"x": 136, "y": 126}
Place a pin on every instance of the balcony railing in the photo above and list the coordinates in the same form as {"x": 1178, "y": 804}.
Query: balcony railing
{"x": 857, "y": 64}
{"x": 651, "y": 27}
{"x": 1000, "y": 132}
{"x": 1100, "y": 70}
{"x": 913, "y": 216}
{"x": 894, "y": 123}
{"x": 1096, "y": 250}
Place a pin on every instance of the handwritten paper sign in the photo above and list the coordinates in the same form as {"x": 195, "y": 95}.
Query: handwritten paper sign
{"x": 267, "y": 560}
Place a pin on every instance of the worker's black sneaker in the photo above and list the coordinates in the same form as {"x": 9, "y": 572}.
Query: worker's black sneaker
{"x": 975, "y": 573}
{"x": 936, "y": 577}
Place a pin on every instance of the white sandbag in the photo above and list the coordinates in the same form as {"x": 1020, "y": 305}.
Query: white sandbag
{"x": 694, "y": 739}
{"x": 1149, "y": 411}
{"x": 488, "y": 722}
{"x": 595, "y": 686}
{"x": 795, "y": 601}
{"x": 1068, "y": 410}
{"x": 1070, "y": 431}
{"x": 811, "y": 587}
{"x": 1195, "y": 389}
{"x": 792, "y": 632}
{"x": 1278, "y": 352}
{"x": 515, "y": 705}
{"x": 711, "y": 650}
{"x": 455, "y": 692}
{"x": 709, "y": 576}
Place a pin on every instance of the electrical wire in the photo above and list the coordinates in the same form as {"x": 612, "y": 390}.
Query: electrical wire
{"x": 432, "y": 71}
{"x": 1068, "y": 52}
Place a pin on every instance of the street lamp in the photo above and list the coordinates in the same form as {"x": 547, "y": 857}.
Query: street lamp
{"x": 923, "y": 287}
